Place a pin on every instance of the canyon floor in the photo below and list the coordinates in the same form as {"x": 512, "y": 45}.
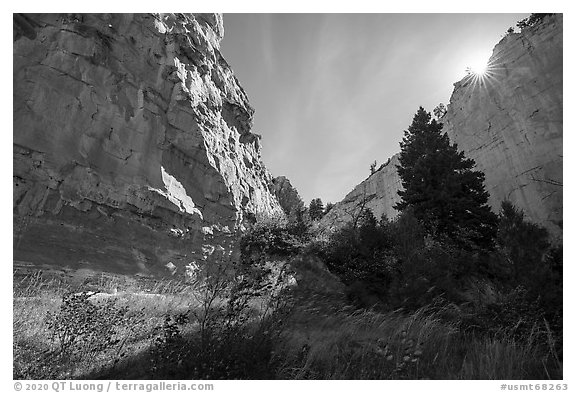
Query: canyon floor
{"x": 175, "y": 329}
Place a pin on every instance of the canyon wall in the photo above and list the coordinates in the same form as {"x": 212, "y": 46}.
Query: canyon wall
{"x": 133, "y": 149}
{"x": 509, "y": 122}
{"x": 287, "y": 195}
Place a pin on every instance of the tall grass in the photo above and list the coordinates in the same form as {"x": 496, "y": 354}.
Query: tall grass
{"x": 37, "y": 355}
{"x": 316, "y": 337}
{"x": 421, "y": 345}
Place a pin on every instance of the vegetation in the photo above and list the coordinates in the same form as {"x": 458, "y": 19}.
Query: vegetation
{"x": 303, "y": 332}
{"x": 328, "y": 207}
{"x": 316, "y": 209}
{"x": 373, "y": 167}
{"x": 441, "y": 187}
{"x": 532, "y": 20}
{"x": 440, "y": 111}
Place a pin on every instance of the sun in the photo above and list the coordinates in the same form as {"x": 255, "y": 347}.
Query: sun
{"x": 479, "y": 68}
{"x": 477, "y": 65}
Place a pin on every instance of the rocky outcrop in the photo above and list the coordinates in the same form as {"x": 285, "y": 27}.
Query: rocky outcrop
{"x": 287, "y": 195}
{"x": 509, "y": 122}
{"x": 379, "y": 193}
{"x": 132, "y": 142}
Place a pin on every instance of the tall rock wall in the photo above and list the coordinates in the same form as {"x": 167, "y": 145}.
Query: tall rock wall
{"x": 132, "y": 142}
{"x": 510, "y": 123}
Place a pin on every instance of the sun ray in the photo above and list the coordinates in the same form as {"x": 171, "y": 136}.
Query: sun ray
{"x": 482, "y": 74}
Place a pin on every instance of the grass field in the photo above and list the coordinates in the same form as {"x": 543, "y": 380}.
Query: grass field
{"x": 145, "y": 329}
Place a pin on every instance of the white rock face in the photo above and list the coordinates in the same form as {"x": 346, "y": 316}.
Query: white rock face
{"x": 129, "y": 129}
{"x": 511, "y": 125}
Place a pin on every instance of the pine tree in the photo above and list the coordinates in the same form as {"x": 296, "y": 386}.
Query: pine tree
{"x": 316, "y": 209}
{"x": 446, "y": 195}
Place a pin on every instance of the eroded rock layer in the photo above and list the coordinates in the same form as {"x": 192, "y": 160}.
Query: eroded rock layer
{"x": 132, "y": 142}
{"x": 509, "y": 122}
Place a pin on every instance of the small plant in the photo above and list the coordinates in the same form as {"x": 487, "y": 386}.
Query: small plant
{"x": 83, "y": 327}
{"x": 373, "y": 167}
{"x": 166, "y": 347}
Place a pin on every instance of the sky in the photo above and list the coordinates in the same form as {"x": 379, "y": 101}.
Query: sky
{"x": 334, "y": 92}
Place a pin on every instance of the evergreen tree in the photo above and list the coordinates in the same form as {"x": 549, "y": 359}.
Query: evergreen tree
{"x": 316, "y": 209}
{"x": 446, "y": 195}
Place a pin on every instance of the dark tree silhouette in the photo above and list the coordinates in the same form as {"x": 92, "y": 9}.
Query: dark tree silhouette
{"x": 316, "y": 209}
{"x": 446, "y": 195}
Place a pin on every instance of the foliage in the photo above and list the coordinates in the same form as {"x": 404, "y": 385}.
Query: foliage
{"x": 283, "y": 337}
{"x": 442, "y": 188}
{"x": 82, "y": 327}
{"x": 531, "y": 261}
{"x": 230, "y": 341}
{"x": 440, "y": 111}
{"x": 522, "y": 243}
{"x": 532, "y": 20}
{"x": 360, "y": 256}
{"x": 373, "y": 167}
{"x": 316, "y": 209}
{"x": 419, "y": 345}
{"x": 274, "y": 237}
{"x": 82, "y": 330}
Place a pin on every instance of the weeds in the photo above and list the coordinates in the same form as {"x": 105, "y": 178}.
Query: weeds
{"x": 256, "y": 326}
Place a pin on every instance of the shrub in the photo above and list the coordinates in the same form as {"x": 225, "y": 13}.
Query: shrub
{"x": 532, "y": 262}
{"x": 83, "y": 327}
{"x": 231, "y": 332}
{"x": 361, "y": 256}
{"x": 273, "y": 237}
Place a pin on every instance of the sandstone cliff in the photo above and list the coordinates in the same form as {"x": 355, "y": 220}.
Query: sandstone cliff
{"x": 287, "y": 195}
{"x": 510, "y": 124}
{"x": 132, "y": 142}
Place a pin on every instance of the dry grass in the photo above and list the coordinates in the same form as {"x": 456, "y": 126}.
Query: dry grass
{"x": 35, "y": 295}
{"x": 323, "y": 338}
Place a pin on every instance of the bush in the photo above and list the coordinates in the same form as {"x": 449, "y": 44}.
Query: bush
{"x": 274, "y": 237}
{"x": 231, "y": 332}
{"x": 85, "y": 331}
{"x": 362, "y": 258}
{"x": 532, "y": 262}
{"x": 83, "y": 327}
